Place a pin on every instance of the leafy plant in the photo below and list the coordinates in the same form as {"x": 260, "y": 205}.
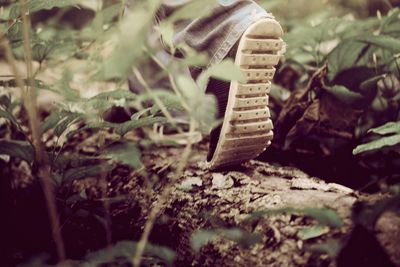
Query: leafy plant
{"x": 348, "y": 65}
{"x": 202, "y": 237}
{"x": 107, "y": 50}
{"x": 389, "y": 137}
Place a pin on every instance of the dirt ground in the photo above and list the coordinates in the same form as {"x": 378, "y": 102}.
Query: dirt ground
{"x": 201, "y": 199}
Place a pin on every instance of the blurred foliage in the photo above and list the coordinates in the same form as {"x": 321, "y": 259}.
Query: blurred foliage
{"x": 338, "y": 86}
{"x": 341, "y": 71}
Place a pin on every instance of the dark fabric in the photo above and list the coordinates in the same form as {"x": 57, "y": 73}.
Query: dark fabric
{"x": 217, "y": 33}
{"x": 220, "y": 89}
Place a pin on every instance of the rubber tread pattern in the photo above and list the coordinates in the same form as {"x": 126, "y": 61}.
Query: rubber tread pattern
{"x": 247, "y": 128}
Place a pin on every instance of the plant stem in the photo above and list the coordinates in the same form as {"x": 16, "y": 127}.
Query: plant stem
{"x": 171, "y": 80}
{"x": 106, "y": 206}
{"x": 11, "y": 61}
{"x": 396, "y": 57}
{"x": 162, "y": 200}
{"x": 30, "y": 102}
{"x": 121, "y": 12}
{"x": 13, "y": 64}
{"x": 387, "y": 2}
{"x": 157, "y": 100}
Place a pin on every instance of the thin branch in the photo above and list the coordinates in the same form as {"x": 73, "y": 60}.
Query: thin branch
{"x": 171, "y": 80}
{"x": 162, "y": 200}
{"x": 30, "y": 102}
{"x": 157, "y": 100}
{"x": 387, "y": 2}
{"x": 121, "y": 12}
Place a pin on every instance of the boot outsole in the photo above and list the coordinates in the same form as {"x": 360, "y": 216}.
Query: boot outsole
{"x": 247, "y": 128}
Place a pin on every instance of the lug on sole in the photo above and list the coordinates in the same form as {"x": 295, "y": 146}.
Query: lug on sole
{"x": 247, "y": 128}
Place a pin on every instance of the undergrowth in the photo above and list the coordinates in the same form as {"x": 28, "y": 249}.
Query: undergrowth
{"x": 343, "y": 69}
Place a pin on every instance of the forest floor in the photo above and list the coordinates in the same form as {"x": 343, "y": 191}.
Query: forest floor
{"x": 325, "y": 193}
{"x": 203, "y": 200}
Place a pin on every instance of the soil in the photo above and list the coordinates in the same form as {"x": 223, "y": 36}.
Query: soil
{"x": 199, "y": 199}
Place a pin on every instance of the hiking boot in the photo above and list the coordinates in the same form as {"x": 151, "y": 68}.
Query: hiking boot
{"x": 246, "y": 130}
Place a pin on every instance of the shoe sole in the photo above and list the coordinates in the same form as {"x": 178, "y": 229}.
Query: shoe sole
{"x": 247, "y": 128}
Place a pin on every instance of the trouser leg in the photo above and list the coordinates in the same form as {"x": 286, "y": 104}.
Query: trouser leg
{"x": 218, "y": 32}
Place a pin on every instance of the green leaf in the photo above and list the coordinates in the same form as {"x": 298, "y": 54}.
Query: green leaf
{"x": 64, "y": 88}
{"x": 65, "y": 123}
{"x": 125, "y": 153}
{"x": 188, "y": 87}
{"x": 62, "y": 162}
{"x": 380, "y": 104}
{"x": 324, "y": 216}
{"x": 160, "y": 252}
{"x": 226, "y": 70}
{"x": 132, "y": 35}
{"x": 8, "y": 116}
{"x": 203, "y": 107}
{"x": 94, "y": 126}
{"x": 125, "y": 127}
{"x": 331, "y": 247}
{"x": 140, "y": 113}
{"x": 204, "y": 111}
{"x": 344, "y": 56}
{"x": 56, "y": 49}
{"x": 41, "y": 51}
{"x": 99, "y": 105}
{"x": 201, "y": 238}
{"x": 18, "y": 149}
{"x": 36, "y": 5}
{"x": 15, "y": 32}
{"x": 369, "y": 85}
{"x": 243, "y": 238}
{"x": 121, "y": 128}
{"x": 195, "y": 59}
{"x": 193, "y": 9}
{"x": 12, "y": 83}
{"x": 14, "y": 12}
{"x": 312, "y": 232}
{"x": 86, "y": 171}
{"x": 344, "y": 95}
{"x": 106, "y": 16}
{"x": 391, "y": 24}
{"x": 125, "y": 250}
{"x": 170, "y": 100}
{"x": 392, "y": 18}
{"x": 383, "y": 41}
{"x": 51, "y": 121}
{"x": 162, "y": 93}
{"x": 116, "y": 94}
{"x": 382, "y": 142}
{"x": 388, "y": 128}
{"x": 166, "y": 29}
